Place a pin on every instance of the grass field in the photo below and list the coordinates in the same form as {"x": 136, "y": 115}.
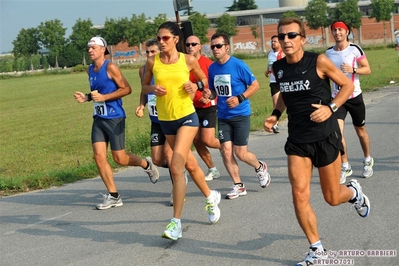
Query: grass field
{"x": 45, "y": 134}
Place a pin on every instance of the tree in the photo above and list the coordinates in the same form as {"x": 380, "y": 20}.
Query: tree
{"x": 316, "y": 14}
{"x": 26, "y": 44}
{"x": 51, "y": 35}
{"x": 348, "y": 11}
{"x": 242, "y": 5}
{"x": 82, "y": 32}
{"x": 226, "y": 24}
{"x": 114, "y": 32}
{"x": 290, "y": 14}
{"x": 200, "y": 25}
{"x": 382, "y": 11}
{"x": 138, "y": 31}
{"x": 255, "y": 32}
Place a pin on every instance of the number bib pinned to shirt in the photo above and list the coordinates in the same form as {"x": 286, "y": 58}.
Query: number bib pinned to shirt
{"x": 151, "y": 104}
{"x": 222, "y": 84}
{"x": 100, "y": 108}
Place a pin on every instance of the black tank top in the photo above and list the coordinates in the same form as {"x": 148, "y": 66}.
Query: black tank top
{"x": 301, "y": 86}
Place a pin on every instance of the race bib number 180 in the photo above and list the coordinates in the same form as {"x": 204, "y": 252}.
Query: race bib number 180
{"x": 100, "y": 109}
{"x": 222, "y": 84}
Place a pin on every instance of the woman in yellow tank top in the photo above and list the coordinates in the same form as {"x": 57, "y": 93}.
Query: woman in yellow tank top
{"x": 178, "y": 120}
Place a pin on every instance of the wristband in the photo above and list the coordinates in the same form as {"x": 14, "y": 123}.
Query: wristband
{"x": 241, "y": 98}
{"x": 89, "y": 97}
{"x": 277, "y": 113}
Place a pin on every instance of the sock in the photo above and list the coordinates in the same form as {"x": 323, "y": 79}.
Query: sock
{"x": 239, "y": 184}
{"x": 210, "y": 197}
{"x": 367, "y": 159}
{"x": 213, "y": 169}
{"x": 170, "y": 175}
{"x": 260, "y": 167}
{"x": 354, "y": 193}
{"x": 148, "y": 165}
{"x": 345, "y": 165}
{"x": 317, "y": 245}
{"x": 176, "y": 220}
{"x": 114, "y": 194}
{"x": 165, "y": 165}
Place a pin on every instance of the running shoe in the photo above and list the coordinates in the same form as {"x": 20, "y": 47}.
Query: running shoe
{"x": 276, "y": 129}
{"x": 263, "y": 175}
{"x": 368, "y": 168}
{"x": 345, "y": 172}
{"x": 361, "y": 201}
{"x": 171, "y": 195}
{"x": 173, "y": 231}
{"x": 152, "y": 170}
{"x": 109, "y": 202}
{"x": 236, "y": 191}
{"x": 212, "y": 207}
{"x": 212, "y": 174}
{"x": 313, "y": 255}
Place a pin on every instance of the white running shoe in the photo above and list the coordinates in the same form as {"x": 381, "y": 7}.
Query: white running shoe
{"x": 212, "y": 174}
{"x": 368, "y": 168}
{"x": 361, "y": 201}
{"x": 345, "y": 172}
{"x": 236, "y": 191}
{"x": 263, "y": 175}
{"x": 313, "y": 256}
{"x": 109, "y": 202}
{"x": 173, "y": 231}
{"x": 152, "y": 170}
{"x": 212, "y": 207}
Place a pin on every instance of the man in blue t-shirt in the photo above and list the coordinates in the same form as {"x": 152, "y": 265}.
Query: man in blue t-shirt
{"x": 234, "y": 83}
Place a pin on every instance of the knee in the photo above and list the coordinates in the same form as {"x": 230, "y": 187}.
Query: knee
{"x": 121, "y": 160}
{"x": 332, "y": 200}
{"x": 300, "y": 197}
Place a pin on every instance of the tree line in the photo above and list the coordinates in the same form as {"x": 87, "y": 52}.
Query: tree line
{"x": 71, "y": 51}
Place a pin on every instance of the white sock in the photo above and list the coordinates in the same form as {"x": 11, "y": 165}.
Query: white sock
{"x": 367, "y": 159}
{"x": 345, "y": 165}
{"x": 211, "y": 196}
{"x": 176, "y": 220}
{"x": 317, "y": 245}
{"x": 213, "y": 169}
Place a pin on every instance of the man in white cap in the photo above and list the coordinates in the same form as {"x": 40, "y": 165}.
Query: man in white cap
{"x": 396, "y": 32}
{"x": 108, "y": 86}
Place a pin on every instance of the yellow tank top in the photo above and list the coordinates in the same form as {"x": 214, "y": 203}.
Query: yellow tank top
{"x": 176, "y": 103}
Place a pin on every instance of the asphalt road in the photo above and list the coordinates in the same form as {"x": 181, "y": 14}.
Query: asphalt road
{"x": 60, "y": 226}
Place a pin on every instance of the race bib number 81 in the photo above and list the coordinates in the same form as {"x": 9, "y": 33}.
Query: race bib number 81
{"x": 222, "y": 84}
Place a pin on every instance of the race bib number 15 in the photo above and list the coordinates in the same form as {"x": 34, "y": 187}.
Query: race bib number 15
{"x": 222, "y": 84}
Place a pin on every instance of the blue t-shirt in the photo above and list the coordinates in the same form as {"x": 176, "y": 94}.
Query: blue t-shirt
{"x": 104, "y": 85}
{"x": 230, "y": 79}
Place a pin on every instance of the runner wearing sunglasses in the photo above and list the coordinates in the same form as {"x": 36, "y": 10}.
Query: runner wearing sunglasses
{"x": 234, "y": 83}
{"x": 314, "y": 138}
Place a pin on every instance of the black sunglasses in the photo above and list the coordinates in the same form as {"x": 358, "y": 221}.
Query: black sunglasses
{"x": 193, "y": 44}
{"x": 290, "y": 35}
{"x": 219, "y": 45}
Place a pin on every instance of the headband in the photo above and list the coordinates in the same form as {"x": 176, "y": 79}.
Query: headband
{"x": 339, "y": 24}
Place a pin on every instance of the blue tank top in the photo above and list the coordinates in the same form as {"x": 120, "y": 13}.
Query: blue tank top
{"x": 104, "y": 85}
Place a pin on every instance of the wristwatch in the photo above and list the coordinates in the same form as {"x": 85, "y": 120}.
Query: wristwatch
{"x": 354, "y": 70}
{"x": 333, "y": 107}
{"x": 200, "y": 85}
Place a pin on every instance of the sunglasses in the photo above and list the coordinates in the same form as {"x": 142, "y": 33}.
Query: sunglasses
{"x": 219, "y": 45}
{"x": 193, "y": 44}
{"x": 164, "y": 38}
{"x": 290, "y": 35}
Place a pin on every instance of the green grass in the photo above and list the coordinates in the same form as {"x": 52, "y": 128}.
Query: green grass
{"x": 45, "y": 134}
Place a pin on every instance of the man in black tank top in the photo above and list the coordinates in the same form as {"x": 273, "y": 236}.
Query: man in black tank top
{"x": 314, "y": 138}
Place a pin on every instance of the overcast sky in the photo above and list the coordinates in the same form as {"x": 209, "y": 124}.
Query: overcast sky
{"x": 18, "y": 14}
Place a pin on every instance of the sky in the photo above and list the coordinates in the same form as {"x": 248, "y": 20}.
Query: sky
{"x": 23, "y": 14}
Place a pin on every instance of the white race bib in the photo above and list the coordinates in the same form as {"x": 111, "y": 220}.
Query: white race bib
{"x": 100, "y": 108}
{"x": 222, "y": 84}
{"x": 151, "y": 104}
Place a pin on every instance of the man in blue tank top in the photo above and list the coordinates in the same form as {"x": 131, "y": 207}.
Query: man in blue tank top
{"x": 108, "y": 86}
{"x": 314, "y": 138}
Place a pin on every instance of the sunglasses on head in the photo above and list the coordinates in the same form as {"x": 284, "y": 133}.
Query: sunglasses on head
{"x": 193, "y": 44}
{"x": 290, "y": 35}
{"x": 164, "y": 38}
{"x": 219, "y": 45}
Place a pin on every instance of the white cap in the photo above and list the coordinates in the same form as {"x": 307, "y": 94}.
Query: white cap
{"x": 396, "y": 32}
{"x": 99, "y": 41}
